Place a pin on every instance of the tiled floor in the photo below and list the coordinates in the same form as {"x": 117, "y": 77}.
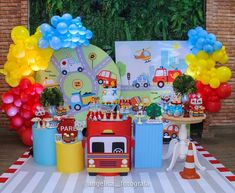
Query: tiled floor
{"x": 222, "y": 147}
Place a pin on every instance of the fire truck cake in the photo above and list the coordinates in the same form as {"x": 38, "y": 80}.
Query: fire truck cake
{"x": 109, "y": 145}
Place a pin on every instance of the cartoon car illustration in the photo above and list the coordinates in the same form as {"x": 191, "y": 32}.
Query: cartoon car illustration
{"x": 162, "y": 75}
{"x": 107, "y": 78}
{"x": 142, "y": 80}
{"x": 135, "y": 101}
{"x": 78, "y": 101}
{"x": 69, "y": 65}
{"x": 171, "y": 131}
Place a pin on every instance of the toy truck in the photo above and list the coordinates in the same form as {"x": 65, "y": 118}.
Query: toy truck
{"x": 107, "y": 78}
{"x": 109, "y": 145}
{"x": 78, "y": 101}
{"x": 141, "y": 81}
{"x": 69, "y": 65}
{"x": 135, "y": 101}
{"x": 163, "y": 76}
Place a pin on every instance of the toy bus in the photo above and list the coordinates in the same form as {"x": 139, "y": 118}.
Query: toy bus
{"x": 109, "y": 146}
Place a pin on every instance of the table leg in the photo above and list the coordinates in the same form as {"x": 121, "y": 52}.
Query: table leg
{"x": 197, "y": 163}
{"x": 170, "y": 149}
{"x": 175, "y": 156}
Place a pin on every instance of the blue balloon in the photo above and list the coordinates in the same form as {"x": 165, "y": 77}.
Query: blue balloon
{"x": 73, "y": 45}
{"x": 86, "y": 43}
{"x": 73, "y": 29}
{"x": 195, "y": 51}
{"x": 55, "y": 20}
{"x": 202, "y": 33}
{"x": 200, "y": 42}
{"x": 211, "y": 37}
{"x": 45, "y": 28}
{"x": 192, "y": 40}
{"x": 192, "y": 33}
{"x": 208, "y": 49}
{"x": 62, "y": 28}
{"x": 75, "y": 38}
{"x": 218, "y": 45}
{"x": 43, "y": 43}
{"x": 199, "y": 28}
{"x": 89, "y": 34}
{"x": 67, "y": 18}
{"x": 55, "y": 43}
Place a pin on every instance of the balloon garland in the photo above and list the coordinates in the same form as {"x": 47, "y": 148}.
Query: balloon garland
{"x": 65, "y": 32}
{"x": 20, "y": 104}
{"x": 29, "y": 54}
{"x": 24, "y": 56}
{"x": 207, "y": 52}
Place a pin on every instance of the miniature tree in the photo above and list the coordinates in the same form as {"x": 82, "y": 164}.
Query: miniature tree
{"x": 184, "y": 84}
{"x": 52, "y": 97}
{"x": 153, "y": 111}
{"x": 122, "y": 68}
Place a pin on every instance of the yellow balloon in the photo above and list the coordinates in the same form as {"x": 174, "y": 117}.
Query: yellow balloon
{"x": 18, "y": 51}
{"x": 210, "y": 63}
{"x": 223, "y": 74}
{"x": 19, "y": 34}
{"x": 31, "y": 43}
{"x": 31, "y": 78}
{"x": 12, "y": 81}
{"x": 9, "y": 65}
{"x": 190, "y": 58}
{"x": 43, "y": 64}
{"x": 202, "y": 63}
{"x": 25, "y": 70}
{"x": 202, "y": 55}
{"x": 205, "y": 79}
{"x": 217, "y": 55}
{"x": 224, "y": 59}
{"x": 214, "y": 83}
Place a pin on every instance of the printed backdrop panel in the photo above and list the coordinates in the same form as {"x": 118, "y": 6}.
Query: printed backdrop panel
{"x": 75, "y": 71}
{"x": 148, "y": 69}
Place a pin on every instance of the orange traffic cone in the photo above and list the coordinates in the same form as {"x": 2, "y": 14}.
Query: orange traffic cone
{"x": 189, "y": 171}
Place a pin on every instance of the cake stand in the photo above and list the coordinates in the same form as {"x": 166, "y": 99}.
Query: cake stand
{"x": 179, "y": 147}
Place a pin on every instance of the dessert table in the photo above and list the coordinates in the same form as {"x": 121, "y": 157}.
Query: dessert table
{"x": 178, "y": 147}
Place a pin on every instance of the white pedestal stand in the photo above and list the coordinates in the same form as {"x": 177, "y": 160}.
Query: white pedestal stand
{"x": 179, "y": 148}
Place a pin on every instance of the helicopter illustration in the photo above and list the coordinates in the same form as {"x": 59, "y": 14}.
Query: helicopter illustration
{"x": 144, "y": 55}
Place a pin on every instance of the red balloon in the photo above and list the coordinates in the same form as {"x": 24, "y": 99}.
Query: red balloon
{"x": 38, "y": 88}
{"x": 213, "y": 98}
{"x": 16, "y": 90}
{"x": 24, "y": 97}
{"x": 26, "y": 114}
{"x": 12, "y": 110}
{"x": 28, "y": 123}
{"x": 7, "y": 98}
{"x": 17, "y": 121}
{"x": 207, "y": 90}
{"x": 26, "y": 107}
{"x": 20, "y": 130}
{"x": 224, "y": 90}
{"x": 25, "y": 83}
{"x": 26, "y": 137}
{"x": 213, "y": 106}
{"x": 17, "y": 102}
{"x": 199, "y": 86}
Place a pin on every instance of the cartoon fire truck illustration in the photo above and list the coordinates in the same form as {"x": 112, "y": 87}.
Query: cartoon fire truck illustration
{"x": 141, "y": 80}
{"x": 107, "y": 78}
{"x": 69, "y": 65}
{"x": 78, "y": 101}
{"x": 162, "y": 75}
{"x": 109, "y": 146}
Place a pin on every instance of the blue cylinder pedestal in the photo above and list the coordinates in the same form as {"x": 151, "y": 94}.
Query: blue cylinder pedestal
{"x": 44, "y": 148}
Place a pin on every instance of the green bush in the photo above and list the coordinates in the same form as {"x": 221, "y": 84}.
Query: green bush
{"x": 113, "y": 20}
{"x": 51, "y": 97}
{"x": 184, "y": 84}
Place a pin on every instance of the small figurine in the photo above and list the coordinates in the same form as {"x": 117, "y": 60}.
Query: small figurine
{"x": 165, "y": 100}
{"x": 196, "y": 107}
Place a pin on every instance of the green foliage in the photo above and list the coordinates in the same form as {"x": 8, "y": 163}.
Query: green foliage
{"x": 122, "y": 68}
{"x": 113, "y": 20}
{"x": 184, "y": 84}
{"x": 153, "y": 111}
{"x": 52, "y": 97}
